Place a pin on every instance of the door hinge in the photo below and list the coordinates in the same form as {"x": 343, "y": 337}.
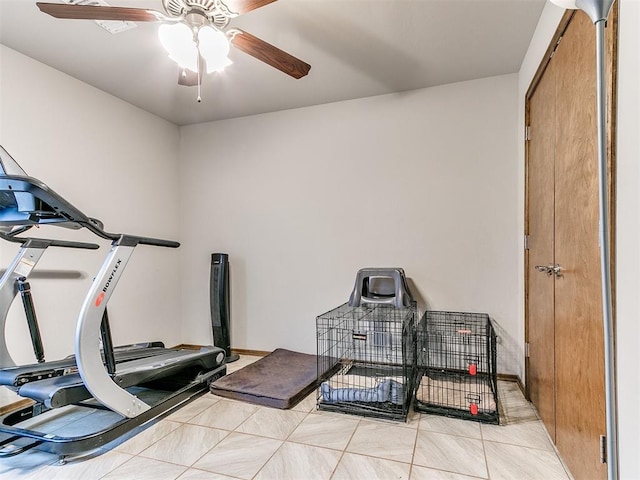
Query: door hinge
{"x": 527, "y": 133}
{"x": 555, "y": 48}
{"x": 526, "y": 350}
{"x": 526, "y": 242}
{"x": 603, "y": 449}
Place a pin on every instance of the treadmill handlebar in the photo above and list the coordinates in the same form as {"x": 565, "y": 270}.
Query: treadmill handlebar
{"x": 68, "y": 244}
{"x": 30, "y": 242}
{"x": 134, "y": 240}
{"x": 158, "y": 242}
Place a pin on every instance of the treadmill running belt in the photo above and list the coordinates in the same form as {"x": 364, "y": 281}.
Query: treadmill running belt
{"x": 22, "y": 374}
{"x": 68, "y": 389}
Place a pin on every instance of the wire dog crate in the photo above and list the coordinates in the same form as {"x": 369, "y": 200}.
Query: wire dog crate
{"x": 372, "y": 348}
{"x": 456, "y": 364}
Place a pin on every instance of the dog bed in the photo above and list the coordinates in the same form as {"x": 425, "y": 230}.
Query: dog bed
{"x": 281, "y": 379}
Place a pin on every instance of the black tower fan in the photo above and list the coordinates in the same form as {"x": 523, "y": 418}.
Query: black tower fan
{"x": 220, "y": 305}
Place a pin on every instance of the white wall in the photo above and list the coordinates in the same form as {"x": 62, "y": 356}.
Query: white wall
{"x": 628, "y": 215}
{"x": 301, "y": 199}
{"x": 628, "y": 240}
{"x": 113, "y": 161}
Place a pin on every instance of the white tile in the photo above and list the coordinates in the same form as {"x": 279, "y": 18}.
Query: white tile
{"x": 239, "y": 455}
{"x": 518, "y": 414}
{"x": 139, "y": 468}
{"x": 412, "y": 421}
{"x": 445, "y": 449}
{"x": 383, "y": 440}
{"x": 83, "y": 424}
{"x": 295, "y": 461}
{"x": 451, "y": 453}
{"x": 506, "y": 462}
{"x": 225, "y": 414}
{"x": 185, "y": 444}
{"x": 87, "y": 468}
{"x": 57, "y": 418}
{"x": 330, "y": 431}
{"x": 195, "y": 474}
{"x": 413, "y": 418}
{"x": 308, "y": 404}
{"x": 514, "y": 408}
{"x": 26, "y": 465}
{"x": 509, "y": 386}
{"x": 8, "y": 397}
{"x": 450, "y": 426}
{"x": 424, "y": 473}
{"x": 529, "y": 434}
{"x": 147, "y": 437}
{"x": 192, "y": 409}
{"x": 271, "y": 422}
{"x": 354, "y": 466}
{"x": 242, "y": 362}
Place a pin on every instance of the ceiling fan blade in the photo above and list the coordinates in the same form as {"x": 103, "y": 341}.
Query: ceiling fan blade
{"x": 89, "y": 12}
{"x": 244, "y": 6}
{"x": 269, "y": 54}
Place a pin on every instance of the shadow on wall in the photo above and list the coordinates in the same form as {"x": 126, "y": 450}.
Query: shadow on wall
{"x": 55, "y": 274}
{"x": 238, "y": 301}
{"x": 508, "y": 351}
{"x": 417, "y": 295}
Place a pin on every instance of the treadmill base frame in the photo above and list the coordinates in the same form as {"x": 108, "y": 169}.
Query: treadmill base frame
{"x": 66, "y": 446}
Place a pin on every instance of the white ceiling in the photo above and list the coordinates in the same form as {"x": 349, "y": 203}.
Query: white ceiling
{"x": 356, "y": 48}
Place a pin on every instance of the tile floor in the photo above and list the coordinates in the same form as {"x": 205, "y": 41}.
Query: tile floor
{"x": 218, "y": 439}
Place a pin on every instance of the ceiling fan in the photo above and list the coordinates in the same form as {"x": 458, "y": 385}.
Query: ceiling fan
{"x": 194, "y": 32}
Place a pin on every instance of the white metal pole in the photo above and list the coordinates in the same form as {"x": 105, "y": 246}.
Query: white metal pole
{"x": 605, "y": 257}
{"x": 598, "y": 11}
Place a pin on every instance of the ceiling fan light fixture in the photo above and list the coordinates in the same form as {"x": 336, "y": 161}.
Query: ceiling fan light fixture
{"x": 177, "y": 39}
{"x": 187, "y": 59}
{"x": 214, "y": 48}
{"x": 218, "y": 65}
{"x": 568, "y": 4}
{"x": 596, "y": 10}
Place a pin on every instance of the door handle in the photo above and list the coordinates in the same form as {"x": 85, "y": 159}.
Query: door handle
{"x": 550, "y": 270}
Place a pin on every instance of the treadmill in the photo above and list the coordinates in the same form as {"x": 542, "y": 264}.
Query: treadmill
{"x": 133, "y": 392}
{"x": 15, "y": 221}
{"x": 14, "y": 281}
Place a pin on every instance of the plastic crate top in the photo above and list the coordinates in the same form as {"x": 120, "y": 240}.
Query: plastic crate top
{"x": 458, "y": 323}
{"x": 368, "y": 311}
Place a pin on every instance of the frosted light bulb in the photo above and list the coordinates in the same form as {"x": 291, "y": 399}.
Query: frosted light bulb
{"x": 214, "y": 47}
{"x": 177, "y": 39}
{"x": 568, "y": 4}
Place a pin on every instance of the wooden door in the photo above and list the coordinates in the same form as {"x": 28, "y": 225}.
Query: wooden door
{"x": 580, "y": 404}
{"x": 540, "y": 304}
{"x": 565, "y": 368}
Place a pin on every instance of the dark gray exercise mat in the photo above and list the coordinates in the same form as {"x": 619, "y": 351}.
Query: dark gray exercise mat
{"x": 280, "y": 380}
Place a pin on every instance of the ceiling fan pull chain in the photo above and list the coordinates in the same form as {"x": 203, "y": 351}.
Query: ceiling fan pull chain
{"x": 199, "y": 83}
{"x": 199, "y": 68}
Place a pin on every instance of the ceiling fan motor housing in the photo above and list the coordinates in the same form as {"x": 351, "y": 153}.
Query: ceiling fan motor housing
{"x": 214, "y": 10}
